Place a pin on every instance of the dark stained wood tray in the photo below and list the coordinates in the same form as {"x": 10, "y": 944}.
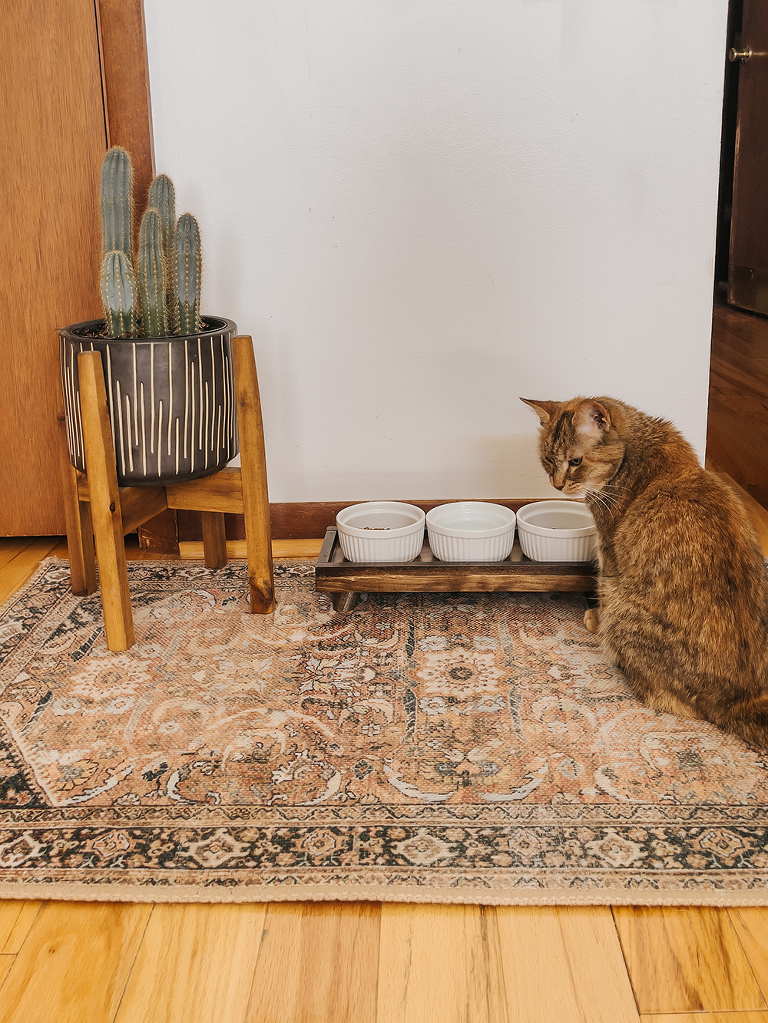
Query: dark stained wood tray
{"x": 343, "y": 579}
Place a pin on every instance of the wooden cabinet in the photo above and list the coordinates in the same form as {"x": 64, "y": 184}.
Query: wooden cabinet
{"x": 55, "y": 126}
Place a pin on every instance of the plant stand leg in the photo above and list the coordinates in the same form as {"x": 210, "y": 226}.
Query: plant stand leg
{"x": 214, "y": 540}
{"x": 77, "y": 516}
{"x": 343, "y": 602}
{"x": 258, "y": 531}
{"x": 105, "y": 503}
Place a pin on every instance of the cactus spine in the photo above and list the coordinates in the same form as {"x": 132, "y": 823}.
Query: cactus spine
{"x": 187, "y": 275}
{"x": 118, "y": 293}
{"x": 151, "y": 275}
{"x": 116, "y": 202}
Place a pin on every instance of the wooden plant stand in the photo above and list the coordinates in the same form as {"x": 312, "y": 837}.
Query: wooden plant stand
{"x": 344, "y": 580}
{"x": 98, "y": 513}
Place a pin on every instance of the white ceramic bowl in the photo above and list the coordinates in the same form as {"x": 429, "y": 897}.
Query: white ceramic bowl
{"x": 557, "y": 531}
{"x": 471, "y": 531}
{"x": 381, "y": 531}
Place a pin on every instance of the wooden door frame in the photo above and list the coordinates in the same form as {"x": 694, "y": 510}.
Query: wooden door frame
{"x": 125, "y": 84}
{"x": 727, "y": 152}
{"x": 128, "y": 122}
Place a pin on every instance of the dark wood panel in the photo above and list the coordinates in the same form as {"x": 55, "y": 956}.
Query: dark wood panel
{"x": 737, "y": 428}
{"x": 749, "y": 221}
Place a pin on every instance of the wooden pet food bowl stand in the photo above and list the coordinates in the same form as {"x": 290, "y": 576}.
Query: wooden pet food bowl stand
{"x": 99, "y": 513}
{"x": 344, "y": 580}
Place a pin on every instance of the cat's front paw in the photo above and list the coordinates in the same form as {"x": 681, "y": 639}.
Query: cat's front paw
{"x": 592, "y": 619}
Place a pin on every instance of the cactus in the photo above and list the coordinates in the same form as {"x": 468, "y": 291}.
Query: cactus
{"x": 162, "y": 197}
{"x": 118, "y": 293}
{"x": 186, "y": 275}
{"x": 116, "y": 201}
{"x": 169, "y": 257}
{"x": 151, "y": 275}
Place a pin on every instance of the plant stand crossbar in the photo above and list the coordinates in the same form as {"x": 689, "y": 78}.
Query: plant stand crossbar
{"x": 99, "y": 513}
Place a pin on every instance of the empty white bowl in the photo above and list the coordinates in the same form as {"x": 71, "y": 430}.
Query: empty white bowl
{"x": 557, "y": 531}
{"x": 471, "y": 531}
{"x": 381, "y": 531}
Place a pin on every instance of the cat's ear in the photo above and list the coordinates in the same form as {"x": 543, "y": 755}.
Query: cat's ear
{"x": 545, "y": 410}
{"x": 591, "y": 419}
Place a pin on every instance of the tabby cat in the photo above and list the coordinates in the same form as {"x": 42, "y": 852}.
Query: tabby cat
{"x": 683, "y": 595}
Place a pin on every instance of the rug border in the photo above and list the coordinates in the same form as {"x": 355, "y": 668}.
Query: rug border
{"x": 40, "y": 891}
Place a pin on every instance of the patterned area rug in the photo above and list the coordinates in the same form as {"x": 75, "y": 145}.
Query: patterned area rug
{"x": 449, "y": 748}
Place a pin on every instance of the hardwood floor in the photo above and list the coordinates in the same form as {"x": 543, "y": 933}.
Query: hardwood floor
{"x": 737, "y": 429}
{"x": 370, "y": 962}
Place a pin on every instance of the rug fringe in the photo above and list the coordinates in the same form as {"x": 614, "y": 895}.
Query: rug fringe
{"x": 322, "y": 893}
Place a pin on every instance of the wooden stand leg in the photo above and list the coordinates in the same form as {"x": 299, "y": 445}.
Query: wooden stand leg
{"x": 105, "y": 503}
{"x": 343, "y": 602}
{"x": 77, "y": 516}
{"x": 258, "y": 531}
{"x": 214, "y": 540}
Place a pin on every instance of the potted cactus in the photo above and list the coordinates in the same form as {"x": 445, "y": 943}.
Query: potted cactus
{"x": 168, "y": 370}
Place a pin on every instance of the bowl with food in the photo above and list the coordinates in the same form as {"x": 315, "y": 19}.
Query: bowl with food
{"x": 381, "y": 531}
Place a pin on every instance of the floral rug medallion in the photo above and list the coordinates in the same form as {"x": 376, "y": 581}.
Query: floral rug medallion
{"x": 447, "y": 748}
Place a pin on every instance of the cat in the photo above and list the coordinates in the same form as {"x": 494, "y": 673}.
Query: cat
{"x": 682, "y": 586}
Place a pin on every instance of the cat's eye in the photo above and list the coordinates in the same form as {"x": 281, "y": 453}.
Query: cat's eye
{"x": 573, "y": 462}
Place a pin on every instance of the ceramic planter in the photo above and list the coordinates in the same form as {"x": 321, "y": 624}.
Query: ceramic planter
{"x": 172, "y": 404}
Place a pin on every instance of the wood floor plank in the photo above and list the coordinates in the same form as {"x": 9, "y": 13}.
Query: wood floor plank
{"x": 685, "y": 960}
{"x": 317, "y": 961}
{"x": 434, "y": 967}
{"x": 6, "y": 962}
{"x": 16, "y": 572}
{"x": 10, "y": 546}
{"x": 74, "y": 963}
{"x": 751, "y": 924}
{"x": 16, "y": 919}
{"x": 561, "y": 964}
{"x": 752, "y": 1016}
{"x": 195, "y": 965}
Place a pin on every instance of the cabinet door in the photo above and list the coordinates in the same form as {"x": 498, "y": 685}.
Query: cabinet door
{"x": 748, "y": 266}
{"x": 53, "y": 137}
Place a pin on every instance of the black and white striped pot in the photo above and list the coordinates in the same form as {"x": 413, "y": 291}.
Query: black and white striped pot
{"x": 172, "y": 405}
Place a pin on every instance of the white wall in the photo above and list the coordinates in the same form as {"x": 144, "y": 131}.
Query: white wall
{"x": 421, "y": 209}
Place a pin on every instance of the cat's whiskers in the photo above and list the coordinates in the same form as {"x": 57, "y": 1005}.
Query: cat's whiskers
{"x": 614, "y": 487}
{"x": 600, "y": 499}
{"x": 611, "y": 499}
